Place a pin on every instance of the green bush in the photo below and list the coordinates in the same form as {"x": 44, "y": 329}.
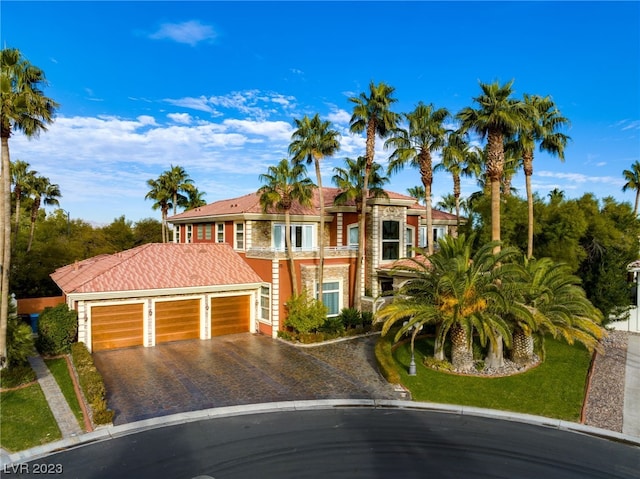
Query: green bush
{"x": 57, "y": 330}
{"x": 384, "y": 357}
{"x": 305, "y": 314}
{"x": 333, "y": 325}
{"x": 15, "y": 376}
{"x": 20, "y": 344}
{"x": 91, "y": 383}
{"x": 367, "y": 318}
{"x": 350, "y": 317}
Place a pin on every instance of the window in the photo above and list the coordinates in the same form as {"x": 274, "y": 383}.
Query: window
{"x": 302, "y": 237}
{"x": 331, "y": 297}
{"x": 219, "y": 232}
{"x": 390, "y": 240}
{"x": 207, "y": 232}
{"x": 176, "y": 234}
{"x": 200, "y": 232}
{"x": 408, "y": 241}
{"x": 353, "y": 238}
{"x": 189, "y": 233}
{"x": 239, "y": 235}
{"x": 438, "y": 232}
{"x": 265, "y": 303}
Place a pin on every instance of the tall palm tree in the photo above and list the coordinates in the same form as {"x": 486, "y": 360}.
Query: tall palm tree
{"x": 541, "y": 128}
{"x": 425, "y": 135}
{"x": 371, "y": 114}
{"x": 417, "y": 192}
{"x": 461, "y": 160}
{"x": 24, "y": 108}
{"x": 162, "y": 201}
{"x": 632, "y": 177}
{"x": 497, "y": 117}
{"x": 195, "y": 198}
{"x": 312, "y": 141}
{"x": 177, "y": 181}
{"x": 556, "y": 196}
{"x": 41, "y": 191}
{"x": 285, "y": 184}
{"x": 21, "y": 177}
{"x": 448, "y": 203}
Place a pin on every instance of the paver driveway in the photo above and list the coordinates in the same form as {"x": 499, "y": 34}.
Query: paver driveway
{"x": 231, "y": 370}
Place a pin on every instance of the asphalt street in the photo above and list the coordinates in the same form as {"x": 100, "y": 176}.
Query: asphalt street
{"x": 345, "y": 443}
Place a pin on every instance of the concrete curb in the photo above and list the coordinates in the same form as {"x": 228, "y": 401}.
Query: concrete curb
{"x": 111, "y": 432}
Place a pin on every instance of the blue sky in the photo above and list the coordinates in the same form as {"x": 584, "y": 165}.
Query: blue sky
{"x": 214, "y": 86}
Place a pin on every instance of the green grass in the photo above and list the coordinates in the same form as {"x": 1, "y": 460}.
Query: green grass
{"x": 26, "y": 420}
{"x": 554, "y": 389}
{"x": 60, "y": 372}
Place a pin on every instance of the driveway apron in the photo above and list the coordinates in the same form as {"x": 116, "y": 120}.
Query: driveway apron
{"x": 232, "y": 370}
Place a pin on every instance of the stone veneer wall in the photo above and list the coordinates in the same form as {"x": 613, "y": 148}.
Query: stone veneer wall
{"x": 333, "y": 272}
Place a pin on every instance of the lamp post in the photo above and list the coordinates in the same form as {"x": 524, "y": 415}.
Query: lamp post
{"x": 414, "y": 331}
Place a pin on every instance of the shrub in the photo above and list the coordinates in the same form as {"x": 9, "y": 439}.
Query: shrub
{"x": 305, "y": 314}
{"x": 15, "y": 376}
{"x": 350, "y": 317}
{"x": 20, "y": 344}
{"x": 91, "y": 383}
{"x": 367, "y": 318}
{"x": 333, "y": 325}
{"x": 384, "y": 357}
{"x": 57, "y": 330}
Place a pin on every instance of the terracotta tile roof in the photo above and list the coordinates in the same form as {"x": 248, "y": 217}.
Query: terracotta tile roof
{"x": 405, "y": 263}
{"x": 157, "y": 266}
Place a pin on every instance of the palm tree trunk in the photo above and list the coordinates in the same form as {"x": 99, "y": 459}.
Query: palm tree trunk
{"x": 456, "y": 195}
{"x": 635, "y": 208}
{"x": 34, "y": 217}
{"x": 461, "y": 353}
{"x": 426, "y": 174}
{"x": 292, "y": 266}
{"x": 438, "y": 347}
{"x": 321, "y": 233}
{"x": 522, "y": 352}
{"x": 527, "y": 164}
{"x": 5, "y": 246}
{"x": 18, "y": 192}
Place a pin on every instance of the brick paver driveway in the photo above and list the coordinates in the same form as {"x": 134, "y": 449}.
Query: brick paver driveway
{"x": 231, "y": 370}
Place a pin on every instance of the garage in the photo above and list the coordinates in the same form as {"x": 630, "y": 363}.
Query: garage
{"x": 230, "y": 315}
{"x": 177, "y": 320}
{"x": 116, "y": 326}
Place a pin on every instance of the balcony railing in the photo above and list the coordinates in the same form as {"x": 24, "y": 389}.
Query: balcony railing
{"x": 329, "y": 251}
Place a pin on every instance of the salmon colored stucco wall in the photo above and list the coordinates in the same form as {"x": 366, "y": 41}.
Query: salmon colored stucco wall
{"x": 348, "y": 219}
{"x": 37, "y": 305}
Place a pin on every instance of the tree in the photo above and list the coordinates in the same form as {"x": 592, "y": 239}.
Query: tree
{"x": 448, "y": 203}
{"x": 542, "y": 125}
{"x": 425, "y": 135}
{"x": 417, "y": 192}
{"x": 147, "y": 230}
{"x": 41, "y": 191}
{"x": 312, "y": 141}
{"x": 21, "y": 177}
{"x": 632, "y": 177}
{"x": 161, "y": 196}
{"x": 178, "y": 184}
{"x": 460, "y": 160}
{"x": 371, "y": 114}
{"x": 24, "y": 108}
{"x": 497, "y": 117}
{"x": 285, "y": 184}
{"x": 195, "y": 198}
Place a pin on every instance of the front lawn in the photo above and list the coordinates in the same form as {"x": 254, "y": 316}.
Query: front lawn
{"x": 27, "y": 420}
{"x": 60, "y": 371}
{"x": 554, "y": 389}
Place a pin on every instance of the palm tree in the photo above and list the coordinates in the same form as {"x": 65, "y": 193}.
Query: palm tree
{"x": 448, "y": 203}
{"x": 162, "y": 201}
{"x": 285, "y": 184}
{"x": 177, "y": 182}
{"x": 313, "y": 140}
{"x": 632, "y": 177}
{"x": 497, "y": 117}
{"x": 23, "y": 108}
{"x": 21, "y": 177}
{"x": 195, "y": 199}
{"x": 417, "y": 192}
{"x": 424, "y": 136}
{"x": 41, "y": 191}
{"x": 556, "y": 195}
{"x": 543, "y": 122}
{"x": 460, "y": 160}
{"x": 371, "y": 114}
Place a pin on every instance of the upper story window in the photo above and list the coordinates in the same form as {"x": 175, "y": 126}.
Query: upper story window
{"x": 437, "y": 233}
{"x": 207, "y": 232}
{"x": 390, "y": 240}
{"x": 353, "y": 238}
{"x": 189, "y": 234}
{"x": 239, "y": 234}
{"x": 302, "y": 237}
{"x": 408, "y": 241}
{"x": 200, "y": 232}
{"x": 176, "y": 234}
{"x": 219, "y": 232}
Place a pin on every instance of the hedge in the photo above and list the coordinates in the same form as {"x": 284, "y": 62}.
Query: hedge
{"x": 384, "y": 358}
{"x": 91, "y": 383}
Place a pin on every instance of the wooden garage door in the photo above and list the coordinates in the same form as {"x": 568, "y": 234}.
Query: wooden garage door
{"x": 177, "y": 320}
{"x": 116, "y": 326}
{"x": 230, "y": 315}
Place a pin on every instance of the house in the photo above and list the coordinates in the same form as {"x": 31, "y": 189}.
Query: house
{"x": 162, "y": 292}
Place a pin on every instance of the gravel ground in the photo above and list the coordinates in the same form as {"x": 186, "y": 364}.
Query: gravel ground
{"x": 605, "y": 399}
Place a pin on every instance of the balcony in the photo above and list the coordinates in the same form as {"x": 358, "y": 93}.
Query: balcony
{"x": 329, "y": 252}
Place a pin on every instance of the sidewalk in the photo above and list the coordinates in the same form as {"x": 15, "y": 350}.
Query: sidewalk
{"x": 67, "y": 422}
{"x": 631, "y": 414}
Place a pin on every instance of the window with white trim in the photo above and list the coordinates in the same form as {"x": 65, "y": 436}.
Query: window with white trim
{"x": 409, "y": 233}
{"x": 353, "y": 239}
{"x": 176, "y": 234}
{"x": 207, "y": 232}
{"x": 265, "y": 303}
{"x": 239, "y": 235}
{"x": 331, "y": 297}
{"x": 303, "y": 237}
{"x": 438, "y": 232}
{"x": 390, "y": 240}
{"x": 219, "y": 232}
{"x": 189, "y": 234}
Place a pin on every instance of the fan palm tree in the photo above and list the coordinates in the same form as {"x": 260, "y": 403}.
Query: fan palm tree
{"x": 21, "y": 177}
{"x": 417, "y": 192}
{"x": 195, "y": 198}
{"x": 40, "y": 191}
{"x": 178, "y": 183}
{"x": 497, "y": 117}
{"x": 632, "y": 177}
{"x": 541, "y": 128}
{"x": 371, "y": 114}
{"x": 24, "y": 108}
{"x": 285, "y": 184}
{"x": 425, "y": 135}
{"x": 448, "y": 203}
{"x": 162, "y": 201}
{"x": 460, "y": 160}
{"x": 312, "y": 141}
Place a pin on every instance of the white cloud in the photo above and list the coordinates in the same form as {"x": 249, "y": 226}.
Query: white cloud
{"x": 339, "y": 116}
{"x": 200, "y": 103}
{"x": 190, "y": 33}
{"x": 580, "y": 178}
{"x": 183, "y": 118}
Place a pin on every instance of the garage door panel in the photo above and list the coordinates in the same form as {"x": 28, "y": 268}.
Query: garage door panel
{"x": 116, "y": 326}
{"x": 177, "y": 320}
{"x": 230, "y": 315}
